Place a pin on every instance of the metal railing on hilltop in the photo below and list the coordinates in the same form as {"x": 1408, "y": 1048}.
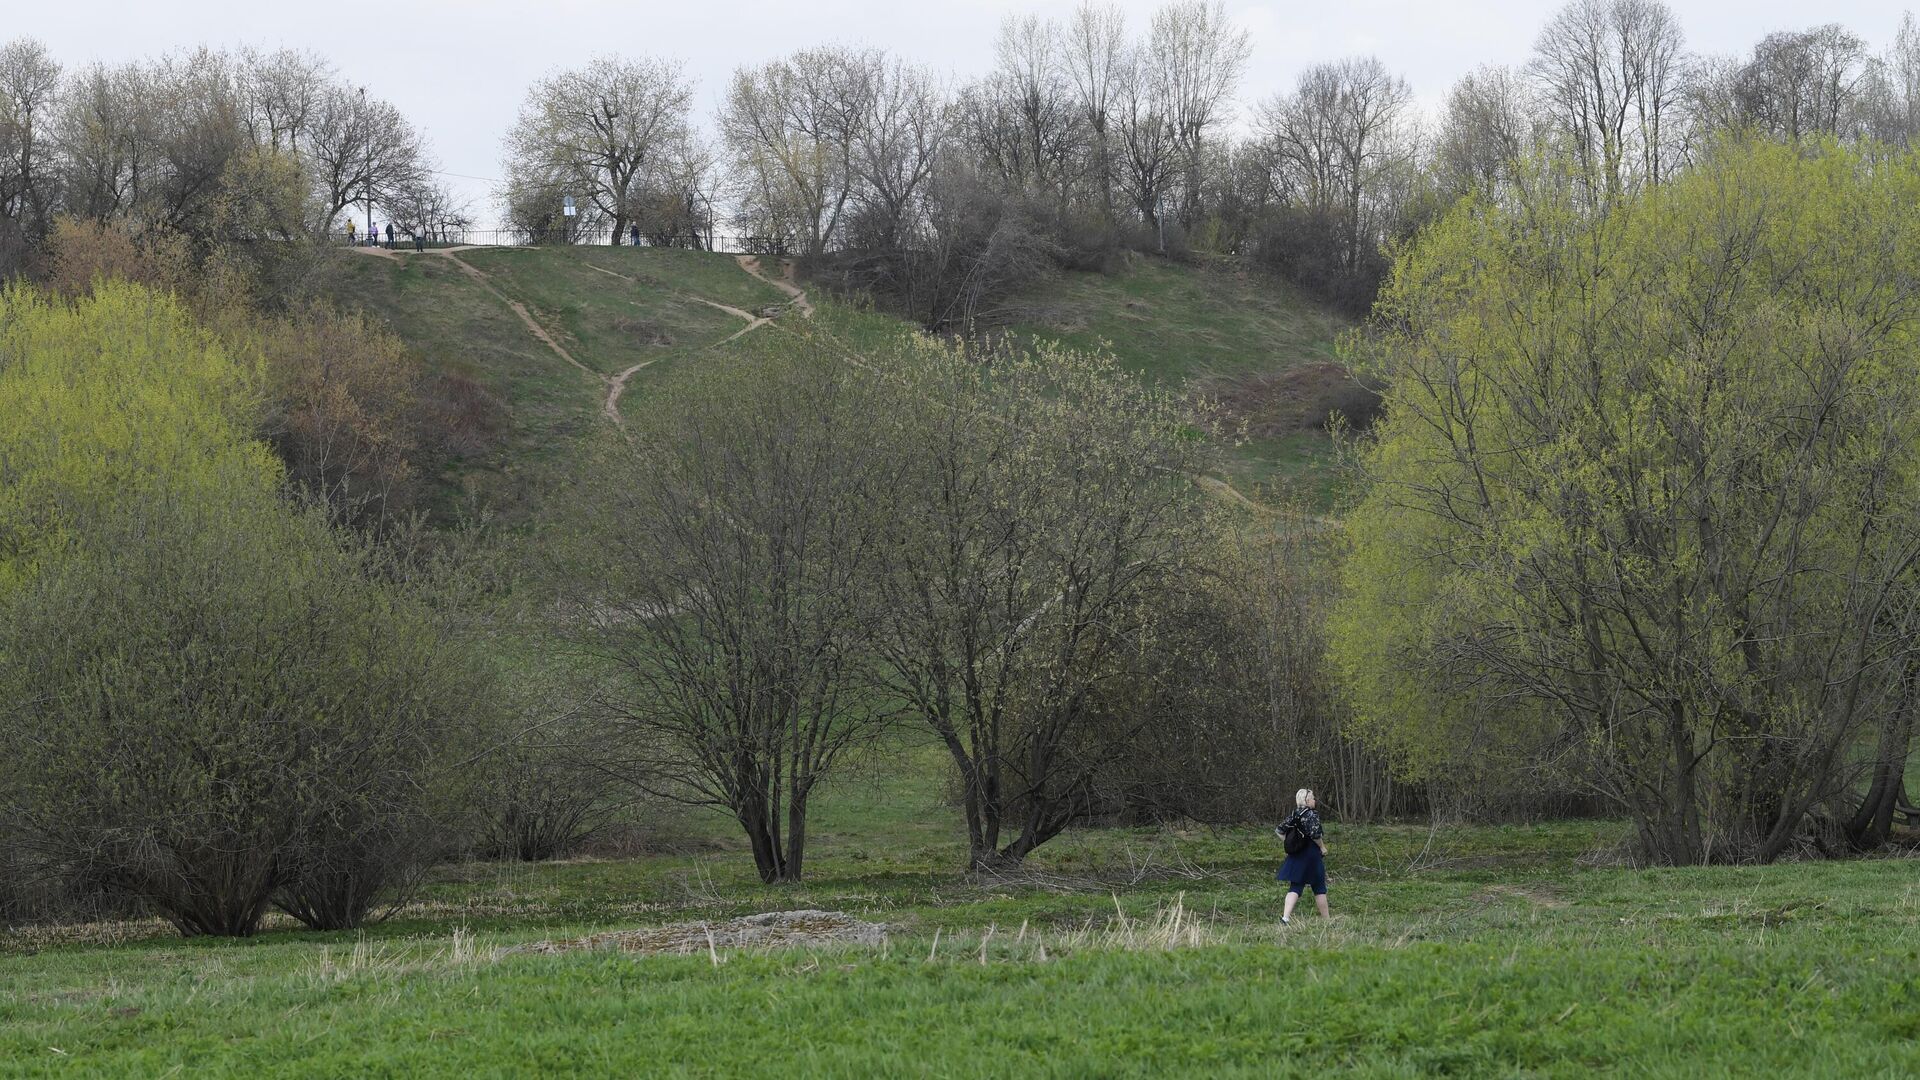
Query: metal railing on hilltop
{"x": 444, "y": 238}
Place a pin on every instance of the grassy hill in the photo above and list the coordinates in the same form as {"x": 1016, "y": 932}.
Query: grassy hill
{"x": 1181, "y": 323}
{"x": 1259, "y": 346}
{"x": 1264, "y": 351}
{"x": 611, "y": 309}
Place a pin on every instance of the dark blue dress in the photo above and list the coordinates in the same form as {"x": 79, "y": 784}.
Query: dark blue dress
{"x": 1307, "y": 870}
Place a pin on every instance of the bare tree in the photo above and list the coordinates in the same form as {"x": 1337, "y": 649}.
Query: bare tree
{"x": 792, "y": 128}
{"x": 722, "y": 549}
{"x": 1805, "y": 84}
{"x": 1031, "y": 84}
{"x": 982, "y": 247}
{"x": 1148, "y": 148}
{"x": 358, "y": 148}
{"x": 608, "y": 133}
{"x": 1096, "y": 60}
{"x": 427, "y": 209}
{"x": 1041, "y": 520}
{"x": 1895, "y": 90}
{"x": 1301, "y": 128}
{"x": 198, "y": 135}
{"x": 29, "y": 85}
{"x": 1370, "y": 112}
{"x": 1198, "y": 58}
{"x": 1485, "y": 131}
{"x": 897, "y": 147}
{"x": 1610, "y": 73}
{"x": 1336, "y": 138}
{"x": 107, "y": 144}
{"x": 283, "y": 93}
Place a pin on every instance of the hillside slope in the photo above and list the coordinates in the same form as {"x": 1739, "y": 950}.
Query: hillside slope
{"x": 528, "y": 343}
{"x": 1265, "y": 351}
{"x": 522, "y": 402}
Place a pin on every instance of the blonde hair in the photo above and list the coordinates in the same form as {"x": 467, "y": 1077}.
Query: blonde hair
{"x": 1300, "y": 798}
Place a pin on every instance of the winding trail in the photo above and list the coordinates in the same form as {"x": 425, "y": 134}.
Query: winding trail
{"x": 796, "y": 295}
{"x": 617, "y": 385}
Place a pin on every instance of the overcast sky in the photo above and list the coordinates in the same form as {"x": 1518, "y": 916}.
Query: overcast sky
{"x": 458, "y": 68}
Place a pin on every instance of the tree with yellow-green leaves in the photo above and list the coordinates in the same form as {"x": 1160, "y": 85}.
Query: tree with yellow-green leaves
{"x": 108, "y": 402}
{"x": 210, "y": 701}
{"x": 1642, "y": 507}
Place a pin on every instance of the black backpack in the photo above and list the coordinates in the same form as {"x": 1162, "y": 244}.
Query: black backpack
{"x": 1293, "y": 836}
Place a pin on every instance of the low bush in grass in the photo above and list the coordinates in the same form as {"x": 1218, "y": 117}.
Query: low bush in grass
{"x": 215, "y": 709}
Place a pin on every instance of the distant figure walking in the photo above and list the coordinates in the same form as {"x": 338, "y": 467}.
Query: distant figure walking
{"x": 349, "y": 232}
{"x": 373, "y": 233}
{"x": 389, "y": 236}
{"x": 1306, "y": 865}
{"x": 633, "y": 232}
{"x": 420, "y": 241}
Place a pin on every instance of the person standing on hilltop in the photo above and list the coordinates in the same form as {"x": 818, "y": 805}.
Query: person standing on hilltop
{"x": 1306, "y": 865}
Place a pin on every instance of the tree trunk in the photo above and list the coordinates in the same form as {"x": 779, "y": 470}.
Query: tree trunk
{"x": 1872, "y": 823}
{"x": 796, "y": 836}
{"x": 763, "y": 836}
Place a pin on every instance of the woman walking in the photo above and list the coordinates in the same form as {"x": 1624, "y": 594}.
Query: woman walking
{"x": 1306, "y": 864}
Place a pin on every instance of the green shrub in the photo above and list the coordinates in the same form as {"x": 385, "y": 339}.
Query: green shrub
{"x": 208, "y": 699}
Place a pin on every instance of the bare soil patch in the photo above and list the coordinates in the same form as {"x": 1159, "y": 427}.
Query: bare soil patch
{"x": 1297, "y": 399}
{"x": 774, "y": 929}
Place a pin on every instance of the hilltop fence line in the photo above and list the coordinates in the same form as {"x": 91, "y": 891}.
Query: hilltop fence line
{"x": 718, "y": 242}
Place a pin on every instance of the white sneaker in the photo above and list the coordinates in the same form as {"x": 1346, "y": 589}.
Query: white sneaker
{"x": 1284, "y": 921}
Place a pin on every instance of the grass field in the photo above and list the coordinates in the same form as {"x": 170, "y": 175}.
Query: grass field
{"x": 1477, "y": 951}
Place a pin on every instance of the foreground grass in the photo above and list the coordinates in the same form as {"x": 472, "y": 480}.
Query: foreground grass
{"x": 1483, "y": 951}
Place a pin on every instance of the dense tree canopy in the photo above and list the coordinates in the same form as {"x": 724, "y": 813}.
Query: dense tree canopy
{"x": 113, "y": 401}
{"x": 1642, "y": 504}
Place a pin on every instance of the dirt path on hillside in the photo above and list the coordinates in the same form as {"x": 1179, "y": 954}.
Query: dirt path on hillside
{"x": 615, "y": 384}
{"x": 519, "y": 309}
{"x": 1226, "y": 492}
{"x": 754, "y": 322}
{"x": 795, "y": 295}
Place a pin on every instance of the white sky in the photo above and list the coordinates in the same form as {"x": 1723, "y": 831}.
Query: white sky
{"x": 458, "y": 68}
